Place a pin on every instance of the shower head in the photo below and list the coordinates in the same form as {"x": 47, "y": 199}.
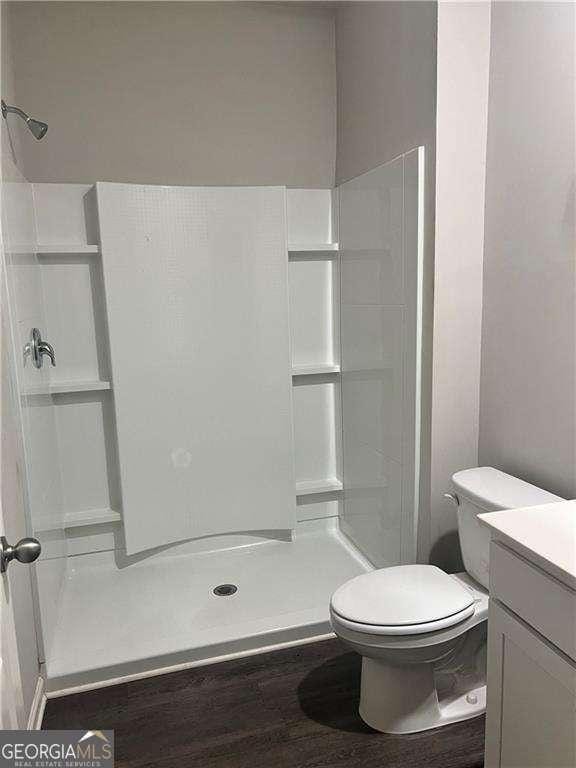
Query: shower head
{"x": 37, "y": 127}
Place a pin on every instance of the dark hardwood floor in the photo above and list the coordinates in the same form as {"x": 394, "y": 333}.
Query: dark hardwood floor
{"x": 295, "y": 708}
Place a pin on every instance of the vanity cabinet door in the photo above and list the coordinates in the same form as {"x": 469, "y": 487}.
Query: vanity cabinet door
{"x": 531, "y": 720}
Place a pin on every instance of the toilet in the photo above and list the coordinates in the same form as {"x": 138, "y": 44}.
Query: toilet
{"x": 421, "y": 632}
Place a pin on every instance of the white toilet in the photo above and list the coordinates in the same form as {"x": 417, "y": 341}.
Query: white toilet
{"x": 422, "y": 632}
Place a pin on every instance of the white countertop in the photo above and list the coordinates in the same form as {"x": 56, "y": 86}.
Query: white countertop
{"x": 545, "y": 535}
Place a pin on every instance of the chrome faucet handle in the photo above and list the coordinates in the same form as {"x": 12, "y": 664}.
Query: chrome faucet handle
{"x": 47, "y": 349}
{"x": 36, "y": 349}
{"x": 453, "y": 497}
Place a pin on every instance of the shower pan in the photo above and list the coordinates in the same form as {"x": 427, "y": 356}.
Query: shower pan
{"x": 235, "y": 405}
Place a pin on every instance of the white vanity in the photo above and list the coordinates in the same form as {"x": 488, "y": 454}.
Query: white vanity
{"x": 531, "y": 698}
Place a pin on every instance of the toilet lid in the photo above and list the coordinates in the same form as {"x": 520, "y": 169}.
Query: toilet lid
{"x": 402, "y": 595}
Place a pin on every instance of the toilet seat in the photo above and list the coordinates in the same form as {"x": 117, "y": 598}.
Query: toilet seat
{"x": 405, "y": 629}
{"x": 402, "y": 600}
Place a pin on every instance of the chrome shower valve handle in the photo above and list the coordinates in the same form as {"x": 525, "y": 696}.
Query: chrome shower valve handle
{"x": 36, "y": 349}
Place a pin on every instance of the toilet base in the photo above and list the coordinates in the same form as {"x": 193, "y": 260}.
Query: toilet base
{"x": 416, "y": 697}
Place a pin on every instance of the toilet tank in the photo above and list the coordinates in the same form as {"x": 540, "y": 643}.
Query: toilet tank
{"x": 485, "y": 489}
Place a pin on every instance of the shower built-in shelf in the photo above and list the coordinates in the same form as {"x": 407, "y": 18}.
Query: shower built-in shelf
{"x": 78, "y": 386}
{"x": 65, "y": 387}
{"x": 80, "y": 519}
{"x": 315, "y": 370}
{"x": 310, "y": 487}
{"x": 313, "y": 250}
{"x": 91, "y": 517}
{"x": 50, "y": 249}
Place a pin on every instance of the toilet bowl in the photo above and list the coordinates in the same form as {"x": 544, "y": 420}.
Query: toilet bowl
{"x": 422, "y": 632}
{"x": 421, "y": 665}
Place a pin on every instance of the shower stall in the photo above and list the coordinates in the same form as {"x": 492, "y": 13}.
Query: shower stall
{"x": 231, "y": 428}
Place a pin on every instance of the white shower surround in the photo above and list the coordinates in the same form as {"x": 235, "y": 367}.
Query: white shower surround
{"x": 381, "y": 229}
{"x": 71, "y": 273}
{"x": 70, "y": 256}
{"x": 196, "y": 287}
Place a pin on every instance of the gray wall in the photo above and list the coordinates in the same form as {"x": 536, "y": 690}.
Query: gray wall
{"x": 528, "y": 386}
{"x": 386, "y": 64}
{"x": 461, "y": 125}
{"x": 12, "y": 167}
{"x": 386, "y": 80}
{"x": 178, "y": 93}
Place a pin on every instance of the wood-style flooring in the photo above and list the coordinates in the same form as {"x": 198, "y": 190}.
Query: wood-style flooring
{"x": 295, "y": 708}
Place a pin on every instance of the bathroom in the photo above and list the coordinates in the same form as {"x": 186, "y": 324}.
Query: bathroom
{"x": 288, "y": 298}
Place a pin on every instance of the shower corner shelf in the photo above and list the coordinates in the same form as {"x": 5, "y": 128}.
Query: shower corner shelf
{"x": 61, "y": 387}
{"x": 80, "y": 519}
{"x": 310, "y": 487}
{"x": 318, "y": 369}
{"x": 91, "y": 517}
{"x": 313, "y": 250}
{"x": 59, "y": 249}
{"x": 65, "y": 387}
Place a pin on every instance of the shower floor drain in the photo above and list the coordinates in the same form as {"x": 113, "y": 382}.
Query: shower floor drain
{"x": 225, "y": 590}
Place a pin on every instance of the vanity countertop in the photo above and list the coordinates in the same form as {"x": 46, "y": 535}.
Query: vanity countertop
{"x": 545, "y": 535}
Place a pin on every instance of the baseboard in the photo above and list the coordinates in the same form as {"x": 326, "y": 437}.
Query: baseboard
{"x": 38, "y": 706}
{"x": 167, "y": 669}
